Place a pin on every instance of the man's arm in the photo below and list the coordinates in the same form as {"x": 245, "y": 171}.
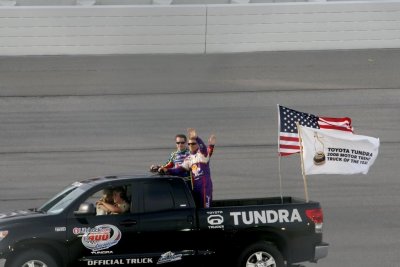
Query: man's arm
{"x": 168, "y": 165}
{"x": 202, "y": 146}
{"x": 178, "y": 170}
{"x": 210, "y": 150}
{"x": 170, "y": 162}
{"x": 110, "y": 207}
{"x": 211, "y": 144}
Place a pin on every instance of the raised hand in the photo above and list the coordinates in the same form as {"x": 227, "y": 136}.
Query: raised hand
{"x": 212, "y": 139}
{"x": 192, "y": 133}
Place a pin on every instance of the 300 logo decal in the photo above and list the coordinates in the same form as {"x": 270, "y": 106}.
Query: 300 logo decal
{"x": 100, "y": 237}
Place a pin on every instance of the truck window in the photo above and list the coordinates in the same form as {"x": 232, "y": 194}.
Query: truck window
{"x": 157, "y": 196}
{"x": 59, "y": 202}
{"x": 104, "y": 200}
{"x": 180, "y": 191}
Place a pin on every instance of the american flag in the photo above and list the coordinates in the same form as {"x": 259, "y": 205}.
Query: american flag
{"x": 288, "y": 135}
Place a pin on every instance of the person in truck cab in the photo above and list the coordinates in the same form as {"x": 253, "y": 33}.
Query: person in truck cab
{"x": 120, "y": 204}
{"x": 107, "y": 198}
{"x": 198, "y": 163}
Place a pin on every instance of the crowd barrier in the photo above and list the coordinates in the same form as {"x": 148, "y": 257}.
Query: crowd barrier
{"x": 218, "y": 28}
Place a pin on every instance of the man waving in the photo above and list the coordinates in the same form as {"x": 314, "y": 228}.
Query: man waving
{"x": 198, "y": 163}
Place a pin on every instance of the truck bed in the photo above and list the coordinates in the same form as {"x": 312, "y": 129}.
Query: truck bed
{"x": 256, "y": 201}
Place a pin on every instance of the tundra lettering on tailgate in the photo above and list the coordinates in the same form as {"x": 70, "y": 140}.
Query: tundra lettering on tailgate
{"x": 266, "y": 216}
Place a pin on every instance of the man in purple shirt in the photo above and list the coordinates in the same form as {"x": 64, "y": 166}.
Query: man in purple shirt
{"x": 198, "y": 163}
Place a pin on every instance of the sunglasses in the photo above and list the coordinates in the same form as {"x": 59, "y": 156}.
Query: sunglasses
{"x": 180, "y": 143}
{"x": 192, "y": 144}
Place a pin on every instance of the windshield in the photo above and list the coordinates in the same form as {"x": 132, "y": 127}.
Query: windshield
{"x": 59, "y": 202}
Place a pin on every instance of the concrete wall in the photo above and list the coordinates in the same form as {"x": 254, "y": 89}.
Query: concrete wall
{"x": 143, "y": 2}
{"x": 303, "y": 26}
{"x": 103, "y": 29}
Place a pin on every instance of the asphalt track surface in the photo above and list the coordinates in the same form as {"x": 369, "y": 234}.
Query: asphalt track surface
{"x": 63, "y": 119}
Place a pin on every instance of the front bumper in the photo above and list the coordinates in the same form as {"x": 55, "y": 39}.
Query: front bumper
{"x": 320, "y": 251}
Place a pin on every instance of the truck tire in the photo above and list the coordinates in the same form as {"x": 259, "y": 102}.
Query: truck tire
{"x": 260, "y": 254}
{"x": 28, "y": 258}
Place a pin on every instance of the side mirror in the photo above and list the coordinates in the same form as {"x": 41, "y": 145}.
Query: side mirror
{"x": 85, "y": 209}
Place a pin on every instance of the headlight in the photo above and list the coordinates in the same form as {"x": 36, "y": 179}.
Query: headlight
{"x": 3, "y": 234}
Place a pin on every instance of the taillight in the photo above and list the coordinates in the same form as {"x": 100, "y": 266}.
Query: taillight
{"x": 317, "y": 217}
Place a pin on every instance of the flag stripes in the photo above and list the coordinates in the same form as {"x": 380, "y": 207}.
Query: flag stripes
{"x": 288, "y": 134}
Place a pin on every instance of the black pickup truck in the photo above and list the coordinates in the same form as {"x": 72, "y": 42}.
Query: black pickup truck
{"x": 161, "y": 227}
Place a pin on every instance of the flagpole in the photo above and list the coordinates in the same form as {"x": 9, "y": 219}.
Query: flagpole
{"x": 302, "y": 163}
{"x": 279, "y": 158}
{"x": 280, "y": 179}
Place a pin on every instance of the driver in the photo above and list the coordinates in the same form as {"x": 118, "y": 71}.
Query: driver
{"x": 120, "y": 204}
{"x": 106, "y": 198}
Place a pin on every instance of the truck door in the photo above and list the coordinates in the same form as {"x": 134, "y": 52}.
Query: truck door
{"x": 108, "y": 239}
{"x": 167, "y": 221}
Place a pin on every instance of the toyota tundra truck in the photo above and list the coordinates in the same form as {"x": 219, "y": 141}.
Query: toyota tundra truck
{"x": 161, "y": 227}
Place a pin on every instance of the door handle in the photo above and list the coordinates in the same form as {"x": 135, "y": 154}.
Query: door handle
{"x": 128, "y": 223}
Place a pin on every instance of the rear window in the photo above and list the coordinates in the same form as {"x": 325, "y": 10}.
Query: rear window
{"x": 157, "y": 196}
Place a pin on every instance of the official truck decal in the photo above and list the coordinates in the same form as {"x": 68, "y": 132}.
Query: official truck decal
{"x": 266, "y": 216}
{"x": 114, "y": 262}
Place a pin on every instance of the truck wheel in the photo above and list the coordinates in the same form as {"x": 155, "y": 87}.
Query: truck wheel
{"x": 260, "y": 254}
{"x": 29, "y": 258}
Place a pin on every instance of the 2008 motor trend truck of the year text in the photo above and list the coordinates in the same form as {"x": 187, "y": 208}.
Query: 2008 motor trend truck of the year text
{"x": 162, "y": 227}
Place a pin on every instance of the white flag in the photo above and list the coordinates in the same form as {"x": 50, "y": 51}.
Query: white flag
{"x": 328, "y": 152}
